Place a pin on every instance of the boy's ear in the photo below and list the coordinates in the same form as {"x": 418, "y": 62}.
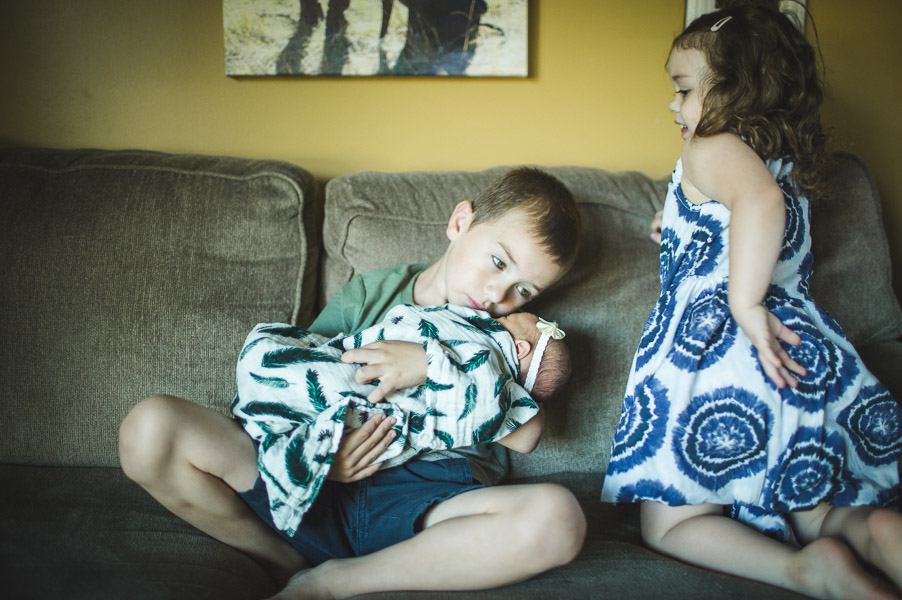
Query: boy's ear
{"x": 460, "y": 219}
{"x": 523, "y": 348}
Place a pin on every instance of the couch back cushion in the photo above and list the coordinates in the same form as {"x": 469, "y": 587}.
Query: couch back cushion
{"x": 374, "y": 220}
{"x": 127, "y": 274}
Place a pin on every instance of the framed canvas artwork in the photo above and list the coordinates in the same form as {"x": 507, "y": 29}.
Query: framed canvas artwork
{"x": 466, "y": 38}
{"x": 697, "y": 8}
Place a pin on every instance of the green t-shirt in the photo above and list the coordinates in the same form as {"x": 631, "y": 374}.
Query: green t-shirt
{"x": 363, "y": 302}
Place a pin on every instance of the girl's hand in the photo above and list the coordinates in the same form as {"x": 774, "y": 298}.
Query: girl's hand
{"x": 656, "y": 223}
{"x": 765, "y": 330}
{"x": 395, "y": 364}
{"x": 359, "y": 448}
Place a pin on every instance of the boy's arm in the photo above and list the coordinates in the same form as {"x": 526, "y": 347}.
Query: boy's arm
{"x": 395, "y": 364}
{"x": 341, "y": 311}
{"x": 657, "y": 224}
{"x": 526, "y": 438}
{"x": 359, "y": 448}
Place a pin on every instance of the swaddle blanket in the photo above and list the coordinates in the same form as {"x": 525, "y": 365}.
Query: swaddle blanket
{"x": 296, "y": 398}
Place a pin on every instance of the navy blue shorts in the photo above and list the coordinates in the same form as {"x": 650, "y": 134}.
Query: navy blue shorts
{"x": 353, "y": 519}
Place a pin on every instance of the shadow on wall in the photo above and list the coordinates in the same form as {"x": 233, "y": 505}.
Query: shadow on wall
{"x": 440, "y": 40}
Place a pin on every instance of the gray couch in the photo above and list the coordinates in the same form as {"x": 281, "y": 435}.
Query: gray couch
{"x": 131, "y": 273}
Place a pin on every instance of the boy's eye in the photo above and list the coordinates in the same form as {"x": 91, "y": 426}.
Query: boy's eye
{"x": 499, "y": 264}
{"x": 524, "y": 292}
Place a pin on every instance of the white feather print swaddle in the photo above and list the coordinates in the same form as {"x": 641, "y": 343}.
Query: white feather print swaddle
{"x": 296, "y": 398}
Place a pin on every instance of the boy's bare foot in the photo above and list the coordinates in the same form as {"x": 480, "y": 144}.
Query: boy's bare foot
{"x": 885, "y": 526}
{"x": 282, "y": 574}
{"x": 827, "y": 568}
{"x": 307, "y": 585}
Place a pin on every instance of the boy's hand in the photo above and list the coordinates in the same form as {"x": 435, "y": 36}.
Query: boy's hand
{"x": 765, "y": 330}
{"x": 656, "y": 223}
{"x": 359, "y": 448}
{"x": 395, "y": 364}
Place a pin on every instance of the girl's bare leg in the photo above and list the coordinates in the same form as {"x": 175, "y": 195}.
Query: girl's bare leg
{"x": 192, "y": 460}
{"x": 703, "y": 536}
{"x": 480, "y": 539}
{"x": 874, "y": 533}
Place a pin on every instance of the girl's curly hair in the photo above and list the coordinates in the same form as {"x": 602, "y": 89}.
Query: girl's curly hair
{"x": 764, "y": 85}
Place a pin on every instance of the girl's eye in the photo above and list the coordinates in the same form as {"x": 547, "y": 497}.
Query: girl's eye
{"x": 683, "y": 93}
{"x": 524, "y": 292}
{"x": 499, "y": 264}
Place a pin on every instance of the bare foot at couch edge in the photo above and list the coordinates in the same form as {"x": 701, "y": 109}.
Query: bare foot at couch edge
{"x": 281, "y": 574}
{"x": 827, "y": 568}
{"x": 303, "y": 586}
{"x": 886, "y": 533}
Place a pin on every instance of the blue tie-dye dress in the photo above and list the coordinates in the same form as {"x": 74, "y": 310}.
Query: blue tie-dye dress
{"x": 701, "y": 422}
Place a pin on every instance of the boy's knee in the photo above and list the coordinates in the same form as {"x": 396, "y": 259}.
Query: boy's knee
{"x": 554, "y": 525}
{"x": 144, "y": 437}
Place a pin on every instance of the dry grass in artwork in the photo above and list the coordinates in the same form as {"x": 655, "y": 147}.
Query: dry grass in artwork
{"x": 372, "y": 37}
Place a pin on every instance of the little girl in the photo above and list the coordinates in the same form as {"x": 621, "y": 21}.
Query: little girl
{"x": 745, "y": 399}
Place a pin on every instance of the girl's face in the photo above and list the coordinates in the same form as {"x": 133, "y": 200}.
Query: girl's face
{"x": 688, "y": 73}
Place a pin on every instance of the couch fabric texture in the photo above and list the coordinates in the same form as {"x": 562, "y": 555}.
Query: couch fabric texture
{"x": 129, "y": 273}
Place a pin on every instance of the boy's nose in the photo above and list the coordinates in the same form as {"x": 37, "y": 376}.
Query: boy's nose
{"x": 494, "y": 293}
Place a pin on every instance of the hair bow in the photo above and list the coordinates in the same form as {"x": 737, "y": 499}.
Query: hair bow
{"x": 551, "y": 329}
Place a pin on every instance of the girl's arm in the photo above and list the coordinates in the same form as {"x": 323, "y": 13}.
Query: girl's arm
{"x": 725, "y": 168}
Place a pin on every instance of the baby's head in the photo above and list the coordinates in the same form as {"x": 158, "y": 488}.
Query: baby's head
{"x": 541, "y": 341}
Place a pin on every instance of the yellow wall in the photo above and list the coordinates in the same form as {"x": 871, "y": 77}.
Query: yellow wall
{"x": 149, "y": 74}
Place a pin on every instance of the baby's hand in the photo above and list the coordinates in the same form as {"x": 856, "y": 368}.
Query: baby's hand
{"x": 656, "y": 224}
{"x": 765, "y": 330}
{"x": 395, "y": 364}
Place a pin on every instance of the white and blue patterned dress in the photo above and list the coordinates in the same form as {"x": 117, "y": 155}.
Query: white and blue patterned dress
{"x": 701, "y": 422}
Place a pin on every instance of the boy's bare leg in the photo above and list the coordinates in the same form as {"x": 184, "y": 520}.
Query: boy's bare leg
{"x": 874, "y": 533}
{"x": 480, "y": 539}
{"x": 701, "y": 535}
{"x": 192, "y": 459}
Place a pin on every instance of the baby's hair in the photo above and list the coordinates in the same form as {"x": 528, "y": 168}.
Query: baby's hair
{"x": 544, "y": 199}
{"x": 554, "y": 371}
{"x": 764, "y": 85}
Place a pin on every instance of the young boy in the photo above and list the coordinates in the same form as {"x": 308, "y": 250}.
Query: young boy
{"x": 517, "y": 238}
{"x": 296, "y": 398}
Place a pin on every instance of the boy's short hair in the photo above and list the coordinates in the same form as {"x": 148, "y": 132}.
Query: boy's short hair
{"x": 545, "y": 199}
{"x": 554, "y": 371}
